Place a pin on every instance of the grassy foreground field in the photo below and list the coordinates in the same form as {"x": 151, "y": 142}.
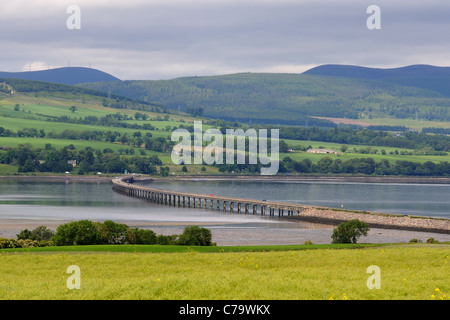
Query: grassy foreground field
{"x": 419, "y": 271}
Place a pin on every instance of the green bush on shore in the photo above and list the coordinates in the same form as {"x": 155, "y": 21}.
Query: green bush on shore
{"x": 6, "y": 243}
{"x": 85, "y": 232}
{"x": 350, "y": 231}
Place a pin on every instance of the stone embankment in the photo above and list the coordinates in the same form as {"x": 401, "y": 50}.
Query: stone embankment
{"x": 375, "y": 220}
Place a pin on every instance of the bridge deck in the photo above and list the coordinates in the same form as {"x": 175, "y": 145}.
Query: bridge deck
{"x": 125, "y": 186}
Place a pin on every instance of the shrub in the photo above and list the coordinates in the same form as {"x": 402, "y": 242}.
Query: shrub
{"x": 110, "y": 232}
{"x": 415, "y": 240}
{"x": 431, "y": 240}
{"x": 24, "y": 234}
{"x": 7, "y": 243}
{"x": 81, "y": 232}
{"x": 166, "y": 240}
{"x": 27, "y": 243}
{"x": 195, "y": 236}
{"x": 23, "y": 243}
{"x": 349, "y": 232}
{"x": 46, "y": 243}
{"x": 40, "y": 233}
{"x": 85, "y": 232}
{"x": 141, "y": 236}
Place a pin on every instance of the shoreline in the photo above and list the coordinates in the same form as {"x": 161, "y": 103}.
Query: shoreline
{"x": 58, "y": 178}
{"x": 293, "y": 178}
{"x": 377, "y": 220}
{"x": 326, "y": 217}
{"x": 333, "y": 216}
{"x": 357, "y": 179}
{"x": 224, "y": 235}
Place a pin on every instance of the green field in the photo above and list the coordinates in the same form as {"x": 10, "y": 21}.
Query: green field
{"x": 407, "y": 272}
{"x": 61, "y": 143}
{"x": 298, "y": 155}
{"x": 6, "y": 169}
{"x": 410, "y": 123}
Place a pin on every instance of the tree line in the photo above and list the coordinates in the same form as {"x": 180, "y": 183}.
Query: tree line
{"x": 86, "y": 232}
{"x": 407, "y": 140}
{"x": 361, "y": 166}
{"x": 50, "y": 159}
{"x": 136, "y": 139}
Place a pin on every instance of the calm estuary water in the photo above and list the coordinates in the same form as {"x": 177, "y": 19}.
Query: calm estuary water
{"x": 412, "y": 199}
{"x": 75, "y": 200}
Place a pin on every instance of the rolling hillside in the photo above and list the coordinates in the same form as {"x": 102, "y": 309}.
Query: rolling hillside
{"x": 287, "y": 98}
{"x": 420, "y": 76}
{"x": 44, "y": 127}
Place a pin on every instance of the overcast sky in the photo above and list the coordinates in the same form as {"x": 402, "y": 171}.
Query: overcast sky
{"x": 163, "y": 39}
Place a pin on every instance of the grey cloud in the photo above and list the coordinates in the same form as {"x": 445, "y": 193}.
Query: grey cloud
{"x": 151, "y": 41}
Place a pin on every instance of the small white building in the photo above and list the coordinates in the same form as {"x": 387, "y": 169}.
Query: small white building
{"x": 72, "y": 162}
{"x": 323, "y": 151}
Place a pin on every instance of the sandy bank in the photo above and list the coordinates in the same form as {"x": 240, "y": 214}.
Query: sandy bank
{"x": 374, "y": 220}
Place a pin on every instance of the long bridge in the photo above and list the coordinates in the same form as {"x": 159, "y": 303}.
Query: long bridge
{"x": 127, "y": 186}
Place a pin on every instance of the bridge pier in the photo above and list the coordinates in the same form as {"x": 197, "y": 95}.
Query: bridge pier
{"x": 189, "y": 200}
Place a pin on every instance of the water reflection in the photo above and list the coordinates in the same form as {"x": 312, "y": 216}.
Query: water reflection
{"x": 412, "y": 199}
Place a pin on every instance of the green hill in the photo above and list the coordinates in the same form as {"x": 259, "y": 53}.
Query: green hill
{"x": 286, "y": 98}
{"x": 44, "y": 127}
{"x": 35, "y": 115}
{"x": 44, "y": 89}
{"x": 420, "y": 76}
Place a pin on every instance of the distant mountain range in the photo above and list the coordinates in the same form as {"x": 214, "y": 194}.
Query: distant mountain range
{"x": 67, "y": 75}
{"x": 420, "y": 76}
{"x": 333, "y": 91}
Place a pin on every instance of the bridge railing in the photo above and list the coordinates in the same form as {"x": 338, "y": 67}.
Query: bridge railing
{"x": 127, "y": 186}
